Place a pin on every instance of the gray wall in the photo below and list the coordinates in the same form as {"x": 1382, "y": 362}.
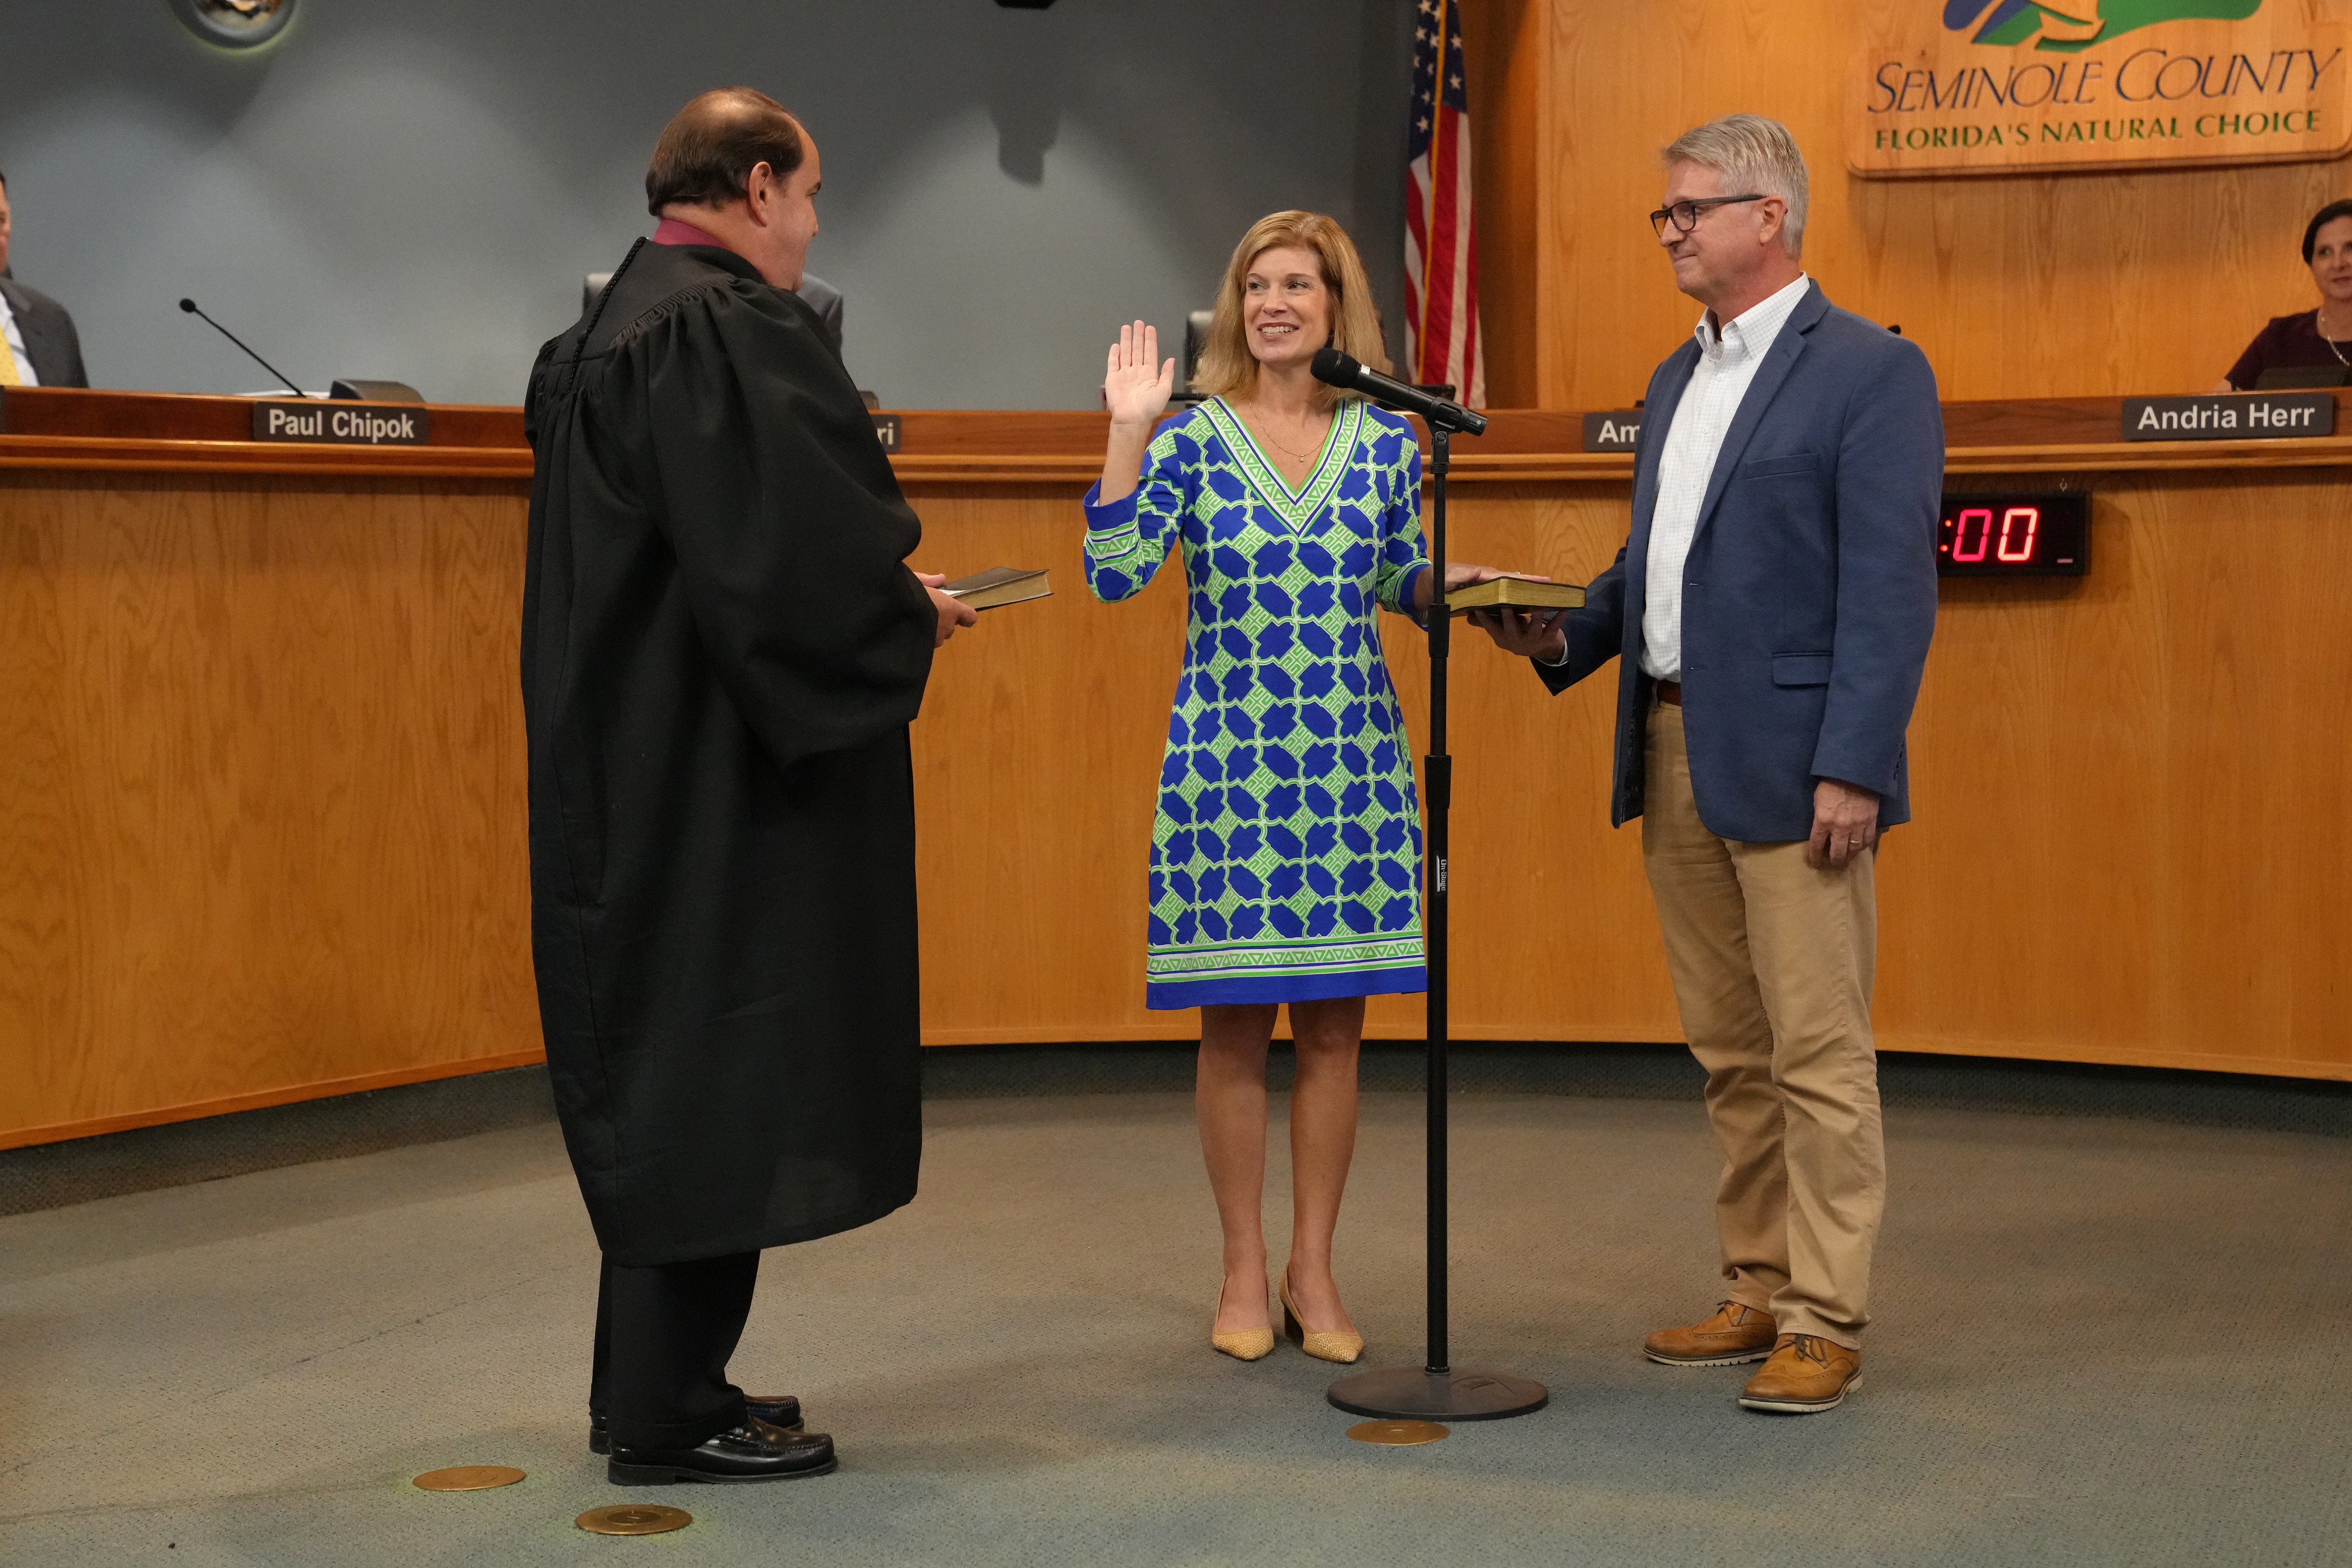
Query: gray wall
{"x": 412, "y": 188}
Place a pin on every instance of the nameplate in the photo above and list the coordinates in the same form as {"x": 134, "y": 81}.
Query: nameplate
{"x": 885, "y": 430}
{"x": 343, "y": 424}
{"x": 2229, "y": 417}
{"x": 1616, "y": 431}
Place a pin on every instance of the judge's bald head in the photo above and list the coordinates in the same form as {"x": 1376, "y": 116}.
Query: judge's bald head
{"x": 706, "y": 155}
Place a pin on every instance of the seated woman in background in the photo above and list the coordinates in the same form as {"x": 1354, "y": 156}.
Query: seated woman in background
{"x": 2316, "y": 338}
{"x": 1286, "y": 860}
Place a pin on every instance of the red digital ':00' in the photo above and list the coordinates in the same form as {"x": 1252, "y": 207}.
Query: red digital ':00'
{"x": 2014, "y": 544}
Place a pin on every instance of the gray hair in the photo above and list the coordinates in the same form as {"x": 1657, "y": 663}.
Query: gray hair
{"x": 1752, "y": 153}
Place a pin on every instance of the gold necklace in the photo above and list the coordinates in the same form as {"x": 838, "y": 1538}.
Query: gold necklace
{"x": 1307, "y": 457}
{"x": 2319, "y": 322}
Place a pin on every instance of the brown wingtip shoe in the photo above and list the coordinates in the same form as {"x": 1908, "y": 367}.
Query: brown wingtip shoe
{"x": 1806, "y": 1375}
{"x": 1735, "y": 1334}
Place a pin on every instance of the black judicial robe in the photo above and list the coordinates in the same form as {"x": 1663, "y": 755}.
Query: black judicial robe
{"x": 722, "y": 651}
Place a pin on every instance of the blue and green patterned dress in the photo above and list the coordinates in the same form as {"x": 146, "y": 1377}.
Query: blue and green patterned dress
{"x": 1286, "y": 857}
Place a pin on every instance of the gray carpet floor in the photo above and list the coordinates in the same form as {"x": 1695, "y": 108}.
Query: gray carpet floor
{"x": 2100, "y": 1341}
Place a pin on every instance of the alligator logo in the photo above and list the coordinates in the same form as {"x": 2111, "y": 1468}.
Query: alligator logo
{"x": 2072, "y": 24}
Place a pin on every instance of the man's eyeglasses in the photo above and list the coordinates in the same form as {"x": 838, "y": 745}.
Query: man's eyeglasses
{"x": 1685, "y": 215}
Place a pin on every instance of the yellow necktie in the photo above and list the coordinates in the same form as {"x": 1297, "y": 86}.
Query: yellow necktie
{"x": 8, "y": 376}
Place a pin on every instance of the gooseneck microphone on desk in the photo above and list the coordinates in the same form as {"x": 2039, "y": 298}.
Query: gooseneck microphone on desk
{"x": 1437, "y": 1391}
{"x": 190, "y": 307}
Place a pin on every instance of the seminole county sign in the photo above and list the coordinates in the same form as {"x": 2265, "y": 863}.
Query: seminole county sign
{"x": 1991, "y": 87}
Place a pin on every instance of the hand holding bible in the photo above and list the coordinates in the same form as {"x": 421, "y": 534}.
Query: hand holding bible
{"x": 1462, "y": 573}
{"x": 1458, "y": 574}
{"x": 1531, "y": 634}
{"x": 952, "y": 612}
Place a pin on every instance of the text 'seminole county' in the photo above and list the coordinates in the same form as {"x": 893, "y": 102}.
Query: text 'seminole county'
{"x": 2149, "y": 77}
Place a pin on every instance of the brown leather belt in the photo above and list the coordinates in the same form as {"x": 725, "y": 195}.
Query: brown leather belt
{"x": 1671, "y": 693}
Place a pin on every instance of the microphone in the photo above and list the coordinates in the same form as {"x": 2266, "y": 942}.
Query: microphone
{"x": 1339, "y": 369}
{"x": 190, "y": 307}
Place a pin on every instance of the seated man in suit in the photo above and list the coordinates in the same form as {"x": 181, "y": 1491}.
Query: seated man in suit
{"x": 825, "y": 300}
{"x": 1769, "y": 614}
{"x": 43, "y": 350}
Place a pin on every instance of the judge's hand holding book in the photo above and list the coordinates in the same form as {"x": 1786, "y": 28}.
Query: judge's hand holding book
{"x": 952, "y": 612}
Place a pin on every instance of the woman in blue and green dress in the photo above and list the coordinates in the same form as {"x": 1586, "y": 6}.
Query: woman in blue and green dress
{"x": 1286, "y": 854}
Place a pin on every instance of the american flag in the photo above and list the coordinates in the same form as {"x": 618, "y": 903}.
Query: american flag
{"x": 1441, "y": 244}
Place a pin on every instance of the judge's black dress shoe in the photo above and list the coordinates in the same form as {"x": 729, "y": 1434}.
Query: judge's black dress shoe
{"x": 778, "y": 1410}
{"x": 755, "y": 1451}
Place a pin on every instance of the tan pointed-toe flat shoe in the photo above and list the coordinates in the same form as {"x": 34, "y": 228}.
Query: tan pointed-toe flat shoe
{"x": 1323, "y": 1344}
{"x": 1242, "y": 1345}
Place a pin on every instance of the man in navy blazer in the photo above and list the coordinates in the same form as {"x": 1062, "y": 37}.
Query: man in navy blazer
{"x": 1771, "y": 615}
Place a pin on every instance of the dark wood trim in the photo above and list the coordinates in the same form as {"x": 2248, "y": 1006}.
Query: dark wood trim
{"x": 2063, "y": 421}
{"x": 50, "y": 428}
{"x": 117, "y": 454}
{"x": 179, "y": 417}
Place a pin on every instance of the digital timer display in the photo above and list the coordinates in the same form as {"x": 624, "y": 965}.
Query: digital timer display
{"x": 2015, "y": 536}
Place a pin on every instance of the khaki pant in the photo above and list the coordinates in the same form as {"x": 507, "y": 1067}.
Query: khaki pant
{"x": 1772, "y": 962}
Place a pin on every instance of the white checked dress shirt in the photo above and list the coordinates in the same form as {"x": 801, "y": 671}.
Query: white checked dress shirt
{"x": 1727, "y": 365}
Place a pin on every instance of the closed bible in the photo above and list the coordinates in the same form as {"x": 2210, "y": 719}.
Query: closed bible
{"x": 1515, "y": 594}
{"x": 1001, "y": 586}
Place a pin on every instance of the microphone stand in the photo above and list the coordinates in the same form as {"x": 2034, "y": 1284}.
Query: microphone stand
{"x": 1438, "y": 1390}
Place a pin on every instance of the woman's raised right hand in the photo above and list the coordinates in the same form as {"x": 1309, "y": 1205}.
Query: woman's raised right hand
{"x": 1133, "y": 391}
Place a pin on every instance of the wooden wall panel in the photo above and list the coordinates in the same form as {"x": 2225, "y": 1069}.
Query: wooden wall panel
{"x": 2058, "y": 285}
{"x": 1036, "y": 765}
{"x": 2131, "y": 796}
{"x": 1552, "y": 942}
{"x": 261, "y": 756}
{"x": 263, "y": 836}
{"x": 2130, "y": 822}
{"x": 1503, "y": 47}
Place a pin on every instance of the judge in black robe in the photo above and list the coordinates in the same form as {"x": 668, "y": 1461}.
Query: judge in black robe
{"x": 722, "y": 648}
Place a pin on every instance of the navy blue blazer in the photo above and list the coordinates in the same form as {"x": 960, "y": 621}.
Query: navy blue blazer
{"x": 1809, "y": 596}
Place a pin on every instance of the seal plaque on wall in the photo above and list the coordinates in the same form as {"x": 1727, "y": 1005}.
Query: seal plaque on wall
{"x": 233, "y": 24}
{"x": 2000, "y": 87}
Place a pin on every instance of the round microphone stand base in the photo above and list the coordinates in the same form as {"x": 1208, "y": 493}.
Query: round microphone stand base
{"x": 1416, "y": 1394}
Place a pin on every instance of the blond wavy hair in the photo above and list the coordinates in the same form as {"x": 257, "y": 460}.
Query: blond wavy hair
{"x": 1226, "y": 364}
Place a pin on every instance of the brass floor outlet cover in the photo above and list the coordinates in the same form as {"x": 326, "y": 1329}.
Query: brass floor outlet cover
{"x": 468, "y": 1477}
{"x": 1399, "y": 1434}
{"x": 633, "y": 1519}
